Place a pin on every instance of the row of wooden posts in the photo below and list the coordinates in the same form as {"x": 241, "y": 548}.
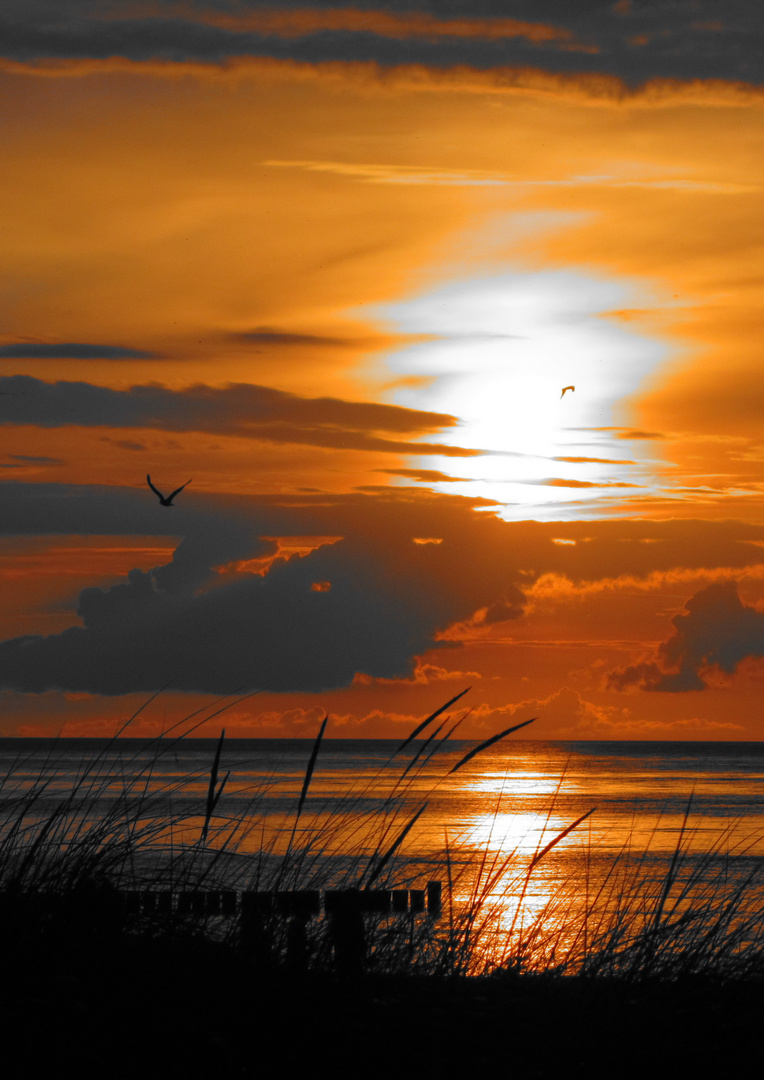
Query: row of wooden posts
{"x": 290, "y": 903}
{"x": 344, "y": 910}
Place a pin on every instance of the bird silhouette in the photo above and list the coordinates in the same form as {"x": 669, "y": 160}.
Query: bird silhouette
{"x": 167, "y": 501}
{"x": 566, "y": 388}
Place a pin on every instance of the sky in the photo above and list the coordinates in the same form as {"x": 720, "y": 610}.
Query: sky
{"x": 332, "y": 265}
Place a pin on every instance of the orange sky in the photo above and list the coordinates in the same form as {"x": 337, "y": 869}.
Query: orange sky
{"x": 402, "y": 258}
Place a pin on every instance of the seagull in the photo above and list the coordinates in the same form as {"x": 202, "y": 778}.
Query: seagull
{"x": 566, "y": 388}
{"x": 166, "y": 501}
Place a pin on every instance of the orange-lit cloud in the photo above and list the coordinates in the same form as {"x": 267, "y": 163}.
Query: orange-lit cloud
{"x": 299, "y": 22}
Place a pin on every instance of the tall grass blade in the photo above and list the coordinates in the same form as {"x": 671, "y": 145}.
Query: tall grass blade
{"x": 385, "y": 859}
{"x": 560, "y": 836}
{"x": 429, "y": 720}
{"x": 488, "y": 742}
{"x": 311, "y": 766}
{"x": 424, "y": 747}
{"x": 219, "y": 792}
{"x": 671, "y": 874}
{"x": 212, "y": 794}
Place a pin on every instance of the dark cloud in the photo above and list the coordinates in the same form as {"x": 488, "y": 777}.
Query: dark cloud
{"x": 71, "y": 350}
{"x": 242, "y": 409}
{"x": 602, "y": 549}
{"x": 277, "y": 633}
{"x": 309, "y": 624}
{"x": 29, "y": 459}
{"x": 718, "y": 632}
{"x": 277, "y": 338}
{"x": 637, "y": 41}
{"x": 634, "y": 434}
{"x": 124, "y": 444}
{"x": 206, "y": 621}
{"x": 511, "y": 606}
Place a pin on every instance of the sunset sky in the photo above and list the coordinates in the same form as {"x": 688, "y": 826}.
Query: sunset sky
{"x": 336, "y": 262}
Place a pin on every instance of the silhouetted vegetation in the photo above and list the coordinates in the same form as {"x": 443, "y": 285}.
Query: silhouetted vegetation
{"x": 112, "y": 881}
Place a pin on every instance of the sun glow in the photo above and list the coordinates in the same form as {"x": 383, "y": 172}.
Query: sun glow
{"x": 498, "y": 352}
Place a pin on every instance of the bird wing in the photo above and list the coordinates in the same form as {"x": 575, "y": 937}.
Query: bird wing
{"x": 178, "y": 490}
{"x": 154, "y": 489}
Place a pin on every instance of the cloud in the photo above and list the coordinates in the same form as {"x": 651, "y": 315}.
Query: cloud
{"x": 242, "y": 409}
{"x": 595, "y": 460}
{"x": 426, "y": 476}
{"x": 199, "y": 623}
{"x": 188, "y": 627}
{"x": 423, "y": 675}
{"x": 124, "y": 444}
{"x": 228, "y": 612}
{"x": 604, "y": 550}
{"x": 554, "y": 481}
{"x": 683, "y": 40}
{"x": 510, "y": 606}
{"x": 400, "y": 174}
{"x": 564, "y": 713}
{"x": 30, "y": 459}
{"x": 406, "y": 24}
{"x": 717, "y": 633}
{"x": 291, "y": 723}
{"x": 71, "y": 350}
{"x": 265, "y": 335}
{"x": 633, "y": 434}
{"x": 419, "y": 175}
{"x": 625, "y": 433}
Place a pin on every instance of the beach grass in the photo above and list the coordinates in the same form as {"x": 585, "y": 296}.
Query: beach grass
{"x": 77, "y": 857}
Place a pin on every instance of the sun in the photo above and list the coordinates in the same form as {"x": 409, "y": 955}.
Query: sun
{"x": 498, "y": 352}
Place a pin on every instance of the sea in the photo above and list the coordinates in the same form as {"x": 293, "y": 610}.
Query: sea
{"x": 567, "y": 808}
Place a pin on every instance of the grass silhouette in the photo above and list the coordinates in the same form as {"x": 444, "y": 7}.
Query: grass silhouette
{"x": 73, "y": 854}
{"x": 167, "y": 988}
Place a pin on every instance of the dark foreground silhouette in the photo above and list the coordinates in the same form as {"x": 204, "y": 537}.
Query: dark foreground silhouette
{"x": 80, "y": 993}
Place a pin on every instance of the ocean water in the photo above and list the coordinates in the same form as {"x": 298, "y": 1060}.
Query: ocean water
{"x": 516, "y": 797}
{"x": 545, "y": 835}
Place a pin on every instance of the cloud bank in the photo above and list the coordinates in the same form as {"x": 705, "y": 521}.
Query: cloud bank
{"x": 631, "y": 40}
{"x": 71, "y": 350}
{"x": 308, "y": 624}
{"x": 241, "y": 409}
{"x": 227, "y": 614}
{"x": 717, "y": 633}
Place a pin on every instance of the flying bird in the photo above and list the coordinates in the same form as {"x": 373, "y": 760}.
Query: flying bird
{"x": 566, "y": 388}
{"x": 166, "y": 501}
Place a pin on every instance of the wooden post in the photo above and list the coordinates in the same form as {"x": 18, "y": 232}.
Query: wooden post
{"x": 254, "y": 940}
{"x": 343, "y": 906}
{"x": 297, "y": 944}
{"x": 434, "y": 892}
{"x": 400, "y": 900}
{"x": 228, "y": 902}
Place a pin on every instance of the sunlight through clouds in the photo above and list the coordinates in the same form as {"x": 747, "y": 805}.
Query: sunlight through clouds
{"x": 500, "y": 350}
